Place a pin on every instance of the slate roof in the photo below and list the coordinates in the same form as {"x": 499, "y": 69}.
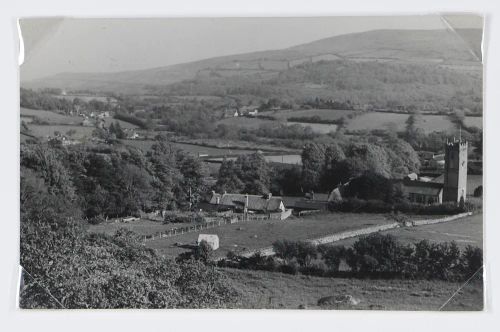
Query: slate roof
{"x": 423, "y": 188}
{"x": 255, "y": 202}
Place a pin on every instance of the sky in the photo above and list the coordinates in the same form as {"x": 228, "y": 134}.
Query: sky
{"x": 55, "y": 45}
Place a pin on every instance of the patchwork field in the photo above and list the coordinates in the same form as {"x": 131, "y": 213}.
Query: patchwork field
{"x": 258, "y": 234}
{"x": 363, "y": 121}
{"x": 270, "y": 290}
{"x": 381, "y": 120}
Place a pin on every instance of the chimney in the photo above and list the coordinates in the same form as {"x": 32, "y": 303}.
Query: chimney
{"x": 269, "y": 195}
{"x": 245, "y": 210}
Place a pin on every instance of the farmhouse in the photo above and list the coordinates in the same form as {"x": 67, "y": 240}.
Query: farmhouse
{"x": 243, "y": 203}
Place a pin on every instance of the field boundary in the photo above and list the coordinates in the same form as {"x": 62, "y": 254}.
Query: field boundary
{"x": 268, "y": 251}
{"x": 213, "y": 222}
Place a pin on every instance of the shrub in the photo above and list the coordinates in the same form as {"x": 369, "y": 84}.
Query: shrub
{"x": 378, "y": 253}
{"x": 289, "y": 268}
{"x": 332, "y": 255}
{"x": 98, "y": 219}
{"x": 478, "y": 192}
{"x": 286, "y": 250}
{"x": 471, "y": 261}
{"x": 306, "y": 252}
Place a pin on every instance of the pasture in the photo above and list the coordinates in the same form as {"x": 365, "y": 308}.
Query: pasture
{"x": 255, "y": 123}
{"x": 464, "y": 231}
{"x": 244, "y": 122}
{"x": 140, "y": 227}
{"x": 272, "y": 290}
{"x": 320, "y": 128}
{"x": 326, "y": 114}
{"x": 382, "y": 120}
{"x": 48, "y": 130}
{"x": 51, "y": 117}
{"x": 362, "y": 121}
{"x": 249, "y": 235}
{"x": 194, "y": 149}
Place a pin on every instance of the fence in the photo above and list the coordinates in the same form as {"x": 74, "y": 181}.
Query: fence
{"x": 212, "y": 222}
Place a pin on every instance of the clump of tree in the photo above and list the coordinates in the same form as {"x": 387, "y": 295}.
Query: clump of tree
{"x": 117, "y": 181}
{"x": 66, "y": 267}
{"x": 325, "y": 165}
{"x": 247, "y": 174}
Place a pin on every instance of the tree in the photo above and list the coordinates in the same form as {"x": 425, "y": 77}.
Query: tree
{"x": 248, "y": 174}
{"x": 371, "y": 186}
{"x": 313, "y": 162}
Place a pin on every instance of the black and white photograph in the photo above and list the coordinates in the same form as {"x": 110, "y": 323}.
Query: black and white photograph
{"x": 316, "y": 163}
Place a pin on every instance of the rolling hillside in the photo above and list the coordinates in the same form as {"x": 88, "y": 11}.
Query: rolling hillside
{"x": 440, "y": 47}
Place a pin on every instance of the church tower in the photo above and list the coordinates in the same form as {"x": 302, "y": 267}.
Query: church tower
{"x": 455, "y": 171}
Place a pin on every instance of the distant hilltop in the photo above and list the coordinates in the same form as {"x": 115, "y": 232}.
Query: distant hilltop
{"x": 459, "y": 49}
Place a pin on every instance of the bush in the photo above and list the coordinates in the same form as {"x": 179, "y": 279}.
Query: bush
{"x": 98, "y": 219}
{"x": 378, "y": 253}
{"x": 478, "y": 192}
{"x": 471, "y": 261}
{"x": 437, "y": 260}
{"x": 332, "y": 255}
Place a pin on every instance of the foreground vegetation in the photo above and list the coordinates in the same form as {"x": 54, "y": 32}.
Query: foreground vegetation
{"x": 270, "y": 290}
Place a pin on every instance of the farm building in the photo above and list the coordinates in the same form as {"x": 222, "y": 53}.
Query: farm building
{"x": 247, "y": 203}
{"x": 420, "y": 190}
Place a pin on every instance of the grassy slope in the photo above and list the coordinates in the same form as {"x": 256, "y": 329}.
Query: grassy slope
{"x": 261, "y": 289}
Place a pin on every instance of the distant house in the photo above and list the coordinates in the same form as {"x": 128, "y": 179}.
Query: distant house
{"x": 231, "y": 112}
{"x": 247, "y": 203}
{"x": 249, "y": 110}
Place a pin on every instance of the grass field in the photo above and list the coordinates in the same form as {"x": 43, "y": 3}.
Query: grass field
{"x": 48, "y": 130}
{"x": 271, "y": 290}
{"x": 51, "y": 117}
{"x": 323, "y": 113}
{"x": 258, "y": 234}
{"x": 364, "y": 121}
{"x": 145, "y": 145}
{"x": 465, "y": 231}
{"x": 381, "y": 120}
{"x": 254, "y": 123}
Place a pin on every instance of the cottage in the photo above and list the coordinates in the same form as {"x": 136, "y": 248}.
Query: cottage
{"x": 247, "y": 203}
